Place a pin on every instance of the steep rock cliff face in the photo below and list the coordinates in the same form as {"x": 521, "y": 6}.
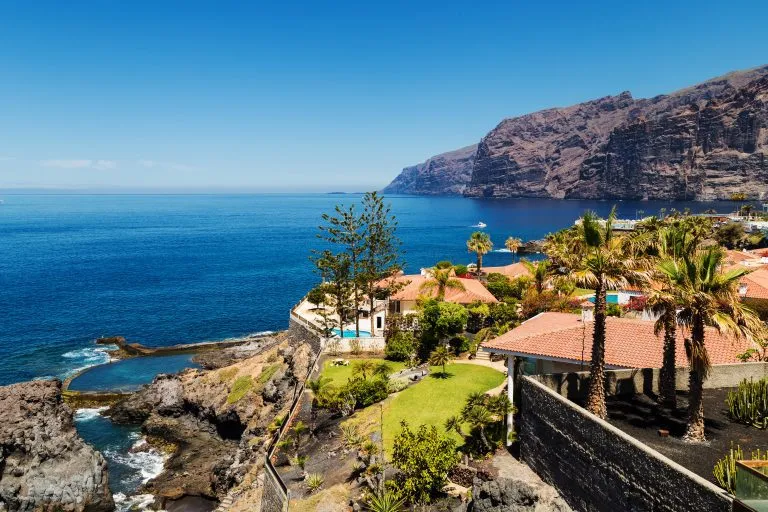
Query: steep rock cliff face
{"x": 446, "y": 174}
{"x": 704, "y": 142}
{"x": 44, "y": 465}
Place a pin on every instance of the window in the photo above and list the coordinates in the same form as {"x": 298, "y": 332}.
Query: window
{"x": 378, "y": 322}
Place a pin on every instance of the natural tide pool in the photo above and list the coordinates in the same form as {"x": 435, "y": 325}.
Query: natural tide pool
{"x": 130, "y": 374}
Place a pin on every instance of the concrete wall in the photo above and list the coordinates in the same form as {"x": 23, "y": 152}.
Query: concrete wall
{"x": 344, "y": 345}
{"x": 597, "y": 467}
{"x": 627, "y": 382}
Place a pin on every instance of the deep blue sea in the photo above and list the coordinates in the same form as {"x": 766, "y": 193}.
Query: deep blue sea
{"x": 166, "y": 269}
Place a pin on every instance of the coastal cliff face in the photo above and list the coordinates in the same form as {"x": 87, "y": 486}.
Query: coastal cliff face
{"x": 704, "y": 142}
{"x": 445, "y": 174}
{"x": 217, "y": 421}
{"x": 44, "y": 465}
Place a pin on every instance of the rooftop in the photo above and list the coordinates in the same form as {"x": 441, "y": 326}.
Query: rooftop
{"x": 512, "y": 271}
{"x": 630, "y": 343}
{"x": 473, "y": 290}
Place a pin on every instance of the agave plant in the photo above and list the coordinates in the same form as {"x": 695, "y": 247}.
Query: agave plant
{"x": 386, "y": 501}
{"x": 314, "y": 481}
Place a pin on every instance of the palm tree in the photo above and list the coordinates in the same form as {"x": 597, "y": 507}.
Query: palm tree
{"x": 453, "y": 423}
{"x": 363, "y": 367}
{"x": 441, "y": 279}
{"x": 539, "y": 271}
{"x": 513, "y": 244}
{"x": 479, "y": 243}
{"x": 479, "y": 417}
{"x": 382, "y": 370}
{"x": 441, "y": 356}
{"x": 664, "y": 305}
{"x": 590, "y": 256}
{"x": 707, "y": 297}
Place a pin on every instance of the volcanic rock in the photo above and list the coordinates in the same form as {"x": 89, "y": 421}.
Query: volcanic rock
{"x": 44, "y": 464}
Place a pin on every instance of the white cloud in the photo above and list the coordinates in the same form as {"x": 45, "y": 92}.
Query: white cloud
{"x": 167, "y": 165}
{"x": 105, "y": 164}
{"x": 80, "y": 164}
{"x": 67, "y": 164}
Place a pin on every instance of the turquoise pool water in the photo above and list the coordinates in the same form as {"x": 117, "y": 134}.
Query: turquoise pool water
{"x": 130, "y": 374}
{"x": 351, "y": 333}
{"x": 611, "y": 298}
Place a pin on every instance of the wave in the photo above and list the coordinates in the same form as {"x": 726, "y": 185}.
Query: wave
{"x": 501, "y": 250}
{"x": 87, "y": 414}
{"x": 147, "y": 461}
{"x": 87, "y": 357}
{"x": 125, "y": 503}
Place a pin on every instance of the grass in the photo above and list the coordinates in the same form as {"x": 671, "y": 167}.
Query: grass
{"x": 578, "y": 292}
{"x": 267, "y": 373}
{"x": 241, "y": 386}
{"x": 339, "y": 375}
{"x": 429, "y": 402}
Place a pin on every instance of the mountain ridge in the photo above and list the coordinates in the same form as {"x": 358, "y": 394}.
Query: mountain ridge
{"x": 705, "y": 141}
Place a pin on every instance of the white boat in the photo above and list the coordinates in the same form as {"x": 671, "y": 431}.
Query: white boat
{"x": 482, "y": 224}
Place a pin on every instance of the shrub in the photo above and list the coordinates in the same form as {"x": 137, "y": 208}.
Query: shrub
{"x": 504, "y": 313}
{"x": 423, "y": 459}
{"x": 460, "y": 344}
{"x": 400, "y": 346}
{"x": 614, "y": 310}
{"x": 351, "y": 435}
{"x": 535, "y": 303}
{"x": 354, "y": 346}
{"x": 748, "y": 404}
{"x": 460, "y": 270}
{"x": 386, "y": 501}
{"x": 241, "y": 386}
{"x": 314, "y": 481}
{"x": 367, "y": 391}
{"x": 396, "y": 385}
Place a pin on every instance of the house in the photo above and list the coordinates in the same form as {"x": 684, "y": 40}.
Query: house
{"x": 512, "y": 271}
{"x": 404, "y": 300}
{"x": 753, "y": 289}
{"x": 562, "y": 342}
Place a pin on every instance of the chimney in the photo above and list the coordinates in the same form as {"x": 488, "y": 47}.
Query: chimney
{"x": 587, "y": 311}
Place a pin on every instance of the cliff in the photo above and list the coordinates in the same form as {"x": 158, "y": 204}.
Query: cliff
{"x": 44, "y": 465}
{"x": 704, "y": 142}
{"x": 446, "y": 174}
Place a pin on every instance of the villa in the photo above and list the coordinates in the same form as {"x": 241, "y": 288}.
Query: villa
{"x": 404, "y": 300}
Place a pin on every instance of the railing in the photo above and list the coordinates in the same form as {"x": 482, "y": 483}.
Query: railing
{"x": 271, "y": 477}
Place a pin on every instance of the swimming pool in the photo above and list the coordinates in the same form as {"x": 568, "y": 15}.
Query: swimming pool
{"x": 350, "y": 333}
{"x": 611, "y": 298}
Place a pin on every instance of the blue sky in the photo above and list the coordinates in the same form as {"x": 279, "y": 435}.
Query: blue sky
{"x": 321, "y": 96}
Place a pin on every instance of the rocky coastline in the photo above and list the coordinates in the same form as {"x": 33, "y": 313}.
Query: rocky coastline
{"x": 211, "y": 423}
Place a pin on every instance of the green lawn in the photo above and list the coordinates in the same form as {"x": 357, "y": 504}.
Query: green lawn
{"x": 583, "y": 291}
{"x": 429, "y": 402}
{"x": 339, "y": 375}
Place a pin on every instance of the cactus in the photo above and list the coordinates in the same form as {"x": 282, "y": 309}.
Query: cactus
{"x": 748, "y": 404}
{"x": 725, "y": 468}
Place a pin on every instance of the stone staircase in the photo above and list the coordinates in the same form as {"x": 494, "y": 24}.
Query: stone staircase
{"x": 482, "y": 355}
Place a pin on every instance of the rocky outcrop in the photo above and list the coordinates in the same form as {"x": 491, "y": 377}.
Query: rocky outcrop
{"x": 515, "y": 495}
{"x": 216, "y": 421}
{"x": 704, "y": 142}
{"x": 44, "y": 465}
{"x": 446, "y": 174}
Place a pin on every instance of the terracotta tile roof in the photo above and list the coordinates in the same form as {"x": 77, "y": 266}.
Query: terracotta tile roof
{"x": 473, "y": 290}
{"x": 630, "y": 343}
{"x": 733, "y": 257}
{"x": 756, "y": 283}
{"x": 512, "y": 271}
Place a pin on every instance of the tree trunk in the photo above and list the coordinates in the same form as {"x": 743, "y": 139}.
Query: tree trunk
{"x": 479, "y": 263}
{"x": 484, "y": 439}
{"x": 373, "y": 316}
{"x": 695, "y": 430}
{"x": 667, "y": 388}
{"x": 596, "y": 396}
{"x": 357, "y": 312}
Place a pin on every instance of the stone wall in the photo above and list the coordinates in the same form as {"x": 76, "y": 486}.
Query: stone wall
{"x": 274, "y": 497}
{"x": 597, "y": 467}
{"x": 345, "y": 345}
{"x": 304, "y": 334}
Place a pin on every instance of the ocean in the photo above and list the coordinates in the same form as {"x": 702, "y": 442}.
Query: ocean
{"x": 168, "y": 269}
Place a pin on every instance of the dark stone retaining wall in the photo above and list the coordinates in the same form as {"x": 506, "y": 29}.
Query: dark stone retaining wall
{"x": 273, "y": 497}
{"x": 301, "y": 332}
{"x": 597, "y": 467}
